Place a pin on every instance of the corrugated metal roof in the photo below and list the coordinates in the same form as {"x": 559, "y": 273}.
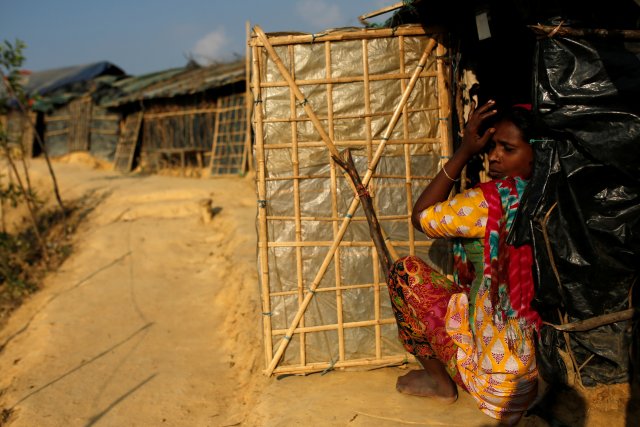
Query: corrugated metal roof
{"x": 175, "y": 82}
{"x": 48, "y": 81}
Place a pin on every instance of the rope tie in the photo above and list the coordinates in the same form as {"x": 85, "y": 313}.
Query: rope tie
{"x": 362, "y": 191}
{"x": 262, "y": 203}
{"x": 304, "y": 102}
{"x": 267, "y": 313}
{"x": 257, "y": 101}
{"x": 329, "y": 368}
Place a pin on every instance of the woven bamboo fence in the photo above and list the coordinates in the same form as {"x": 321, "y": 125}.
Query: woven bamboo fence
{"x": 67, "y": 129}
{"x": 207, "y": 134}
{"x": 383, "y": 94}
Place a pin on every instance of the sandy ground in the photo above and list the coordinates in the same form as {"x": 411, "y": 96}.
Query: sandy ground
{"x": 154, "y": 320}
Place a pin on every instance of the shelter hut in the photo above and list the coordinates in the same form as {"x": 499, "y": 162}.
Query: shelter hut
{"x": 324, "y": 303}
{"x": 187, "y": 118}
{"x": 66, "y": 113}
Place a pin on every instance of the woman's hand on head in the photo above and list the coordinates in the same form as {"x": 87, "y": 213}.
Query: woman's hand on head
{"x": 472, "y": 141}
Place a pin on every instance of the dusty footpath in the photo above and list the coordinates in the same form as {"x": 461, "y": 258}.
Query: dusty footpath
{"x": 154, "y": 320}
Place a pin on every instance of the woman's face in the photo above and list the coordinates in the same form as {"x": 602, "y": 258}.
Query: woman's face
{"x": 510, "y": 154}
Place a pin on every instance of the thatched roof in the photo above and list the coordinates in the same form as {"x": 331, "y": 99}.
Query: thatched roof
{"x": 175, "y": 82}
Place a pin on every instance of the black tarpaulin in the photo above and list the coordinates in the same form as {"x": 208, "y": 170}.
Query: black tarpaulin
{"x": 584, "y": 200}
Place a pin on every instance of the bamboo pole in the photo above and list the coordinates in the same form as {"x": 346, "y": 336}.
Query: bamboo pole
{"x": 323, "y": 366}
{"x": 337, "y": 326}
{"x": 444, "y": 112}
{"x": 296, "y": 90}
{"x": 354, "y": 204}
{"x": 262, "y": 211}
{"x": 246, "y": 155}
{"x": 407, "y": 153}
{"x": 377, "y": 175}
{"x": 214, "y": 143}
{"x": 403, "y": 30}
{"x": 349, "y": 116}
{"x": 378, "y": 12}
{"x": 347, "y": 79}
{"x": 334, "y": 205}
{"x": 326, "y": 289}
{"x": 296, "y": 202}
{"x": 376, "y": 302}
{"x": 367, "y": 99}
{"x": 354, "y": 143}
{"x": 368, "y": 243}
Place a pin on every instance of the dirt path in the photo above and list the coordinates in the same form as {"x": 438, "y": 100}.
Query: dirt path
{"x": 134, "y": 329}
{"x": 154, "y": 320}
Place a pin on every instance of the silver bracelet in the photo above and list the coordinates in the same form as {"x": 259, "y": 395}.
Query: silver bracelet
{"x": 447, "y": 175}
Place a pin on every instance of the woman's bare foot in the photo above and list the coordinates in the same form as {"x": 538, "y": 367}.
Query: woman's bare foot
{"x": 432, "y": 381}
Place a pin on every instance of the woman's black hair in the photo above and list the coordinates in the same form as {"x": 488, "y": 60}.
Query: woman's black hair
{"x": 521, "y": 117}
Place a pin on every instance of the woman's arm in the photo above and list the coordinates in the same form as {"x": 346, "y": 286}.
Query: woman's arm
{"x": 472, "y": 143}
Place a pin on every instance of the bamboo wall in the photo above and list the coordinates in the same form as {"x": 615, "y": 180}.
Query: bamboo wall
{"x": 324, "y": 301}
{"x": 81, "y": 125}
{"x": 209, "y": 134}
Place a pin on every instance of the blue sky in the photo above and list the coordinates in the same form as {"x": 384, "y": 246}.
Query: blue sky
{"x": 142, "y": 36}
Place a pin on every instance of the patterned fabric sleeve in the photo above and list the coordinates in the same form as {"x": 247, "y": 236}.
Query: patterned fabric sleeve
{"x": 465, "y": 215}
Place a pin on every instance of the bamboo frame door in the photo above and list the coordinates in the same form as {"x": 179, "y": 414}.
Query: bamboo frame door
{"x": 383, "y": 95}
{"x": 126, "y": 148}
{"x": 80, "y": 124}
{"x": 228, "y": 152}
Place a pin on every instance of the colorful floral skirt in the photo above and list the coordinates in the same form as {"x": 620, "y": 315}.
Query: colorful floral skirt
{"x": 419, "y": 297}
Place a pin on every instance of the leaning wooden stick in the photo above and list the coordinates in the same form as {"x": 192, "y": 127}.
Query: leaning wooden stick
{"x": 334, "y": 152}
{"x": 594, "y": 322}
{"x": 346, "y": 163}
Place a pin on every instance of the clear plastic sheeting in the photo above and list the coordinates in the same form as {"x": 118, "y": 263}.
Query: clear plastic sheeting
{"x": 353, "y": 84}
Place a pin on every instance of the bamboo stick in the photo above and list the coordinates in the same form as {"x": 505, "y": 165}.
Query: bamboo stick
{"x": 376, "y": 302}
{"x": 337, "y": 326}
{"x": 407, "y": 153}
{"x": 247, "y": 164}
{"x": 444, "y": 117}
{"x": 216, "y": 130}
{"x": 185, "y": 112}
{"x": 367, "y": 100}
{"x": 351, "y": 244}
{"x": 334, "y": 204}
{"x": 326, "y": 289}
{"x": 334, "y": 218}
{"x": 403, "y": 30}
{"x": 262, "y": 214}
{"x": 296, "y": 202}
{"x": 346, "y": 79}
{"x": 322, "y": 366}
{"x": 378, "y": 12}
{"x": 353, "y": 143}
{"x": 355, "y": 202}
{"x": 376, "y": 175}
{"x": 348, "y": 116}
{"x": 296, "y": 90}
